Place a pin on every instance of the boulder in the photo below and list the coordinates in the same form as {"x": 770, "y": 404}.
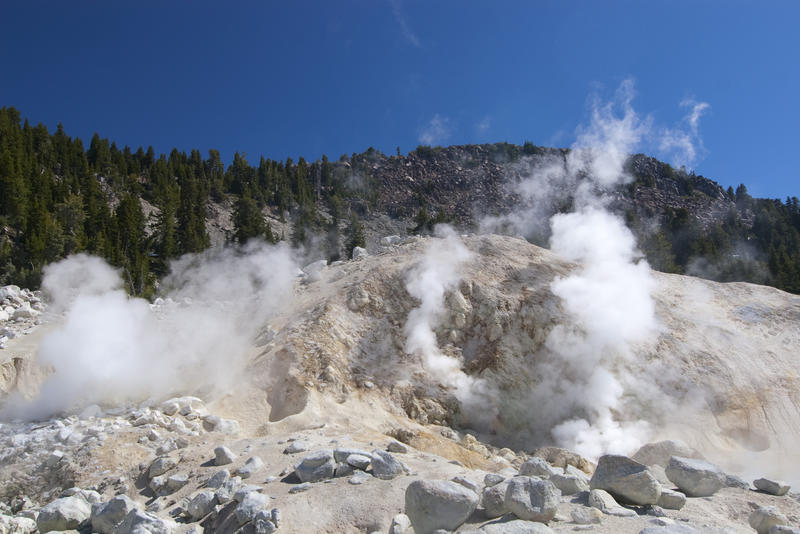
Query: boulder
{"x": 626, "y": 480}
{"x": 438, "y": 504}
{"x": 66, "y": 513}
{"x": 219, "y": 479}
{"x": 764, "y": 518}
{"x": 390, "y": 240}
{"x": 201, "y": 505}
{"x": 17, "y": 525}
{"x": 583, "y": 515}
{"x": 493, "y": 499}
{"x": 161, "y": 465}
{"x": 106, "y": 516}
{"x": 385, "y": 466}
{"x": 252, "y": 503}
{"x": 558, "y": 457}
{"x": 251, "y": 466}
{"x": 733, "y": 481}
{"x": 296, "y": 446}
{"x": 695, "y": 478}
{"x": 139, "y": 522}
{"x": 532, "y": 498}
{"x": 493, "y": 479}
{"x": 223, "y": 456}
{"x": 359, "y": 461}
{"x": 773, "y": 487}
{"x": 400, "y": 524}
{"x": 341, "y": 454}
{"x": 359, "y": 252}
{"x": 603, "y": 501}
{"x": 537, "y": 467}
{"x": 396, "y": 446}
{"x": 177, "y": 481}
{"x": 671, "y": 499}
{"x": 660, "y": 452}
{"x": 315, "y": 467}
{"x": 515, "y": 526}
{"x": 569, "y": 484}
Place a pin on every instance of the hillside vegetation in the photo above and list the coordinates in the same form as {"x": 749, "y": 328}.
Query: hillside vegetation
{"x": 139, "y": 210}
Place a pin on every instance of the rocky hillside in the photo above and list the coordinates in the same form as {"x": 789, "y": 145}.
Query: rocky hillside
{"x": 424, "y": 387}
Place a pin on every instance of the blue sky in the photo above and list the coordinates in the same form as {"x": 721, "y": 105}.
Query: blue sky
{"x": 307, "y": 78}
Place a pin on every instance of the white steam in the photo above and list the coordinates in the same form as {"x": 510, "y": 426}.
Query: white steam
{"x": 112, "y": 348}
{"x": 438, "y": 272}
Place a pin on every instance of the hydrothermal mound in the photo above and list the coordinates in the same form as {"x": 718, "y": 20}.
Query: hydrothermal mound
{"x": 467, "y": 355}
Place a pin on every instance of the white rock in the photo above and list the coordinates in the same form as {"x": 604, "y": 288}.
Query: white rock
{"x": 139, "y": 522}
{"x": 201, "y": 505}
{"x": 251, "y": 466}
{"x": 253, "y": 503}
{"x": 532, "y": 499}
{"x": 400, "y": 524}
{"x": 223, "y": 456}
{"x": 773, "y": 487}
{"x": 695, "y": 478}
{"x": 359, "y": 252}
{"x": 765, "y": 517}
{"x": 17, "y": 525}
{"x": 438, "y": 504}
{"x": 66, "y": 513}
{"x": 569, "y": 484}
{"x": 299, "y": 446}
{"x": 626, "y": 479}
{"x": 493, "y": 499}
{"x": 586, "y": 515}
{"x": 537, "y": 467}
{"x": 106, "y": 516}
{"x": 671, "y": 499}
{"x": 315, "y": 467}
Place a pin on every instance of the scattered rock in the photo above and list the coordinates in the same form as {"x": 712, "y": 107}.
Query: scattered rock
{"x": 400, "y": 524}
{"x": 438, "y": 504}
{"x": 396, "y": 446}
{"x": 385, "y": 466}
{"x": 106, "y": 516}
{"x": 626, "y": 479}
{"x": 732, "y": 481}
{"x": 253, "y": 503}
{"x": 219, "y": 479}
{"x": 66, "y": 513}
{"x": 359, "y": 461}
{"x": 671, "y": 499}
{"x": 537, "y": 467}
{"x": 569, "y": 484}
{"x": 251, "y": 466}
{"x": 315, "y": 467}
{"x": 17, "y": 525}
{"x": 586, "y": 515}
{"x": 201, "y": 505}
{"x": 492, "y": 479}
{"x": 695, "y": 478}
{"x": 764, "y": 518}
{"x": 223, "y": 456}
{"x": 161, "y": 465}
{"x": 532, "y": 499}
{"x": 493, "y": 499}
{"x": 359, "y": 252}
{"x": 773, "y": 487}
{"x": 139, "y": 522}
{"x": 299, "y": 488}
{"x": 296, "y": 446}
{"x": 603, "y": 501}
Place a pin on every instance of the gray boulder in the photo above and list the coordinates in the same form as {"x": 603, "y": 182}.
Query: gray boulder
{"x": 671, "y": 499}
{"x": 773, "y": 487}
{"x": 532, "y": 498}
{"x": 315, "y": 467}
{"x": 603, "y": 501}
{"x": 296, "y": 446}
{"x": 139, "y": 522}
{"x": 626, "y": 480}
{"x": 492, "y": 479}
{"x": 764, "y": 518}
{"x": 515, "y": 526}
{"x": 660, "y": 452}
{"x": 161, "y": 465}
{"x": 201, "y": 505}
{"x": 223, "y": 456}
{"x": 493, "y": 499}
{"x": 586, "y": 515}
{"x": 219, "y": 479}
{"x": 569, "y": 484}
{"x": 343, "y": 453}
{"x": 695, "y": 478}
{"x": 385, "y": 466}
{"x": 438, "y": 504}
{"x": 251, "y": 466}
{"x": 359, "y": 461}
{"x": 66, "y": 513}
{"x": 252, "y": 503}
{"x": 733, "y": 481}
{"x": 537, "y": 467}
{"x": 106, "y": 516}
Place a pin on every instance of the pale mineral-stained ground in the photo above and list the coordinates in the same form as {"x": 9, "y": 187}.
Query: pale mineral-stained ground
{"x": 329, "y": 369}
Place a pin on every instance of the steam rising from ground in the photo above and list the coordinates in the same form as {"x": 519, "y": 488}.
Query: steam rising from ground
{"x": 438, "y": 272}
{"x": 585, "y": 390}
{"x": 113, "y": 348}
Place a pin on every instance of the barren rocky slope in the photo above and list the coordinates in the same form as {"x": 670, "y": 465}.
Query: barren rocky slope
{"x": 330, "y": 371}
